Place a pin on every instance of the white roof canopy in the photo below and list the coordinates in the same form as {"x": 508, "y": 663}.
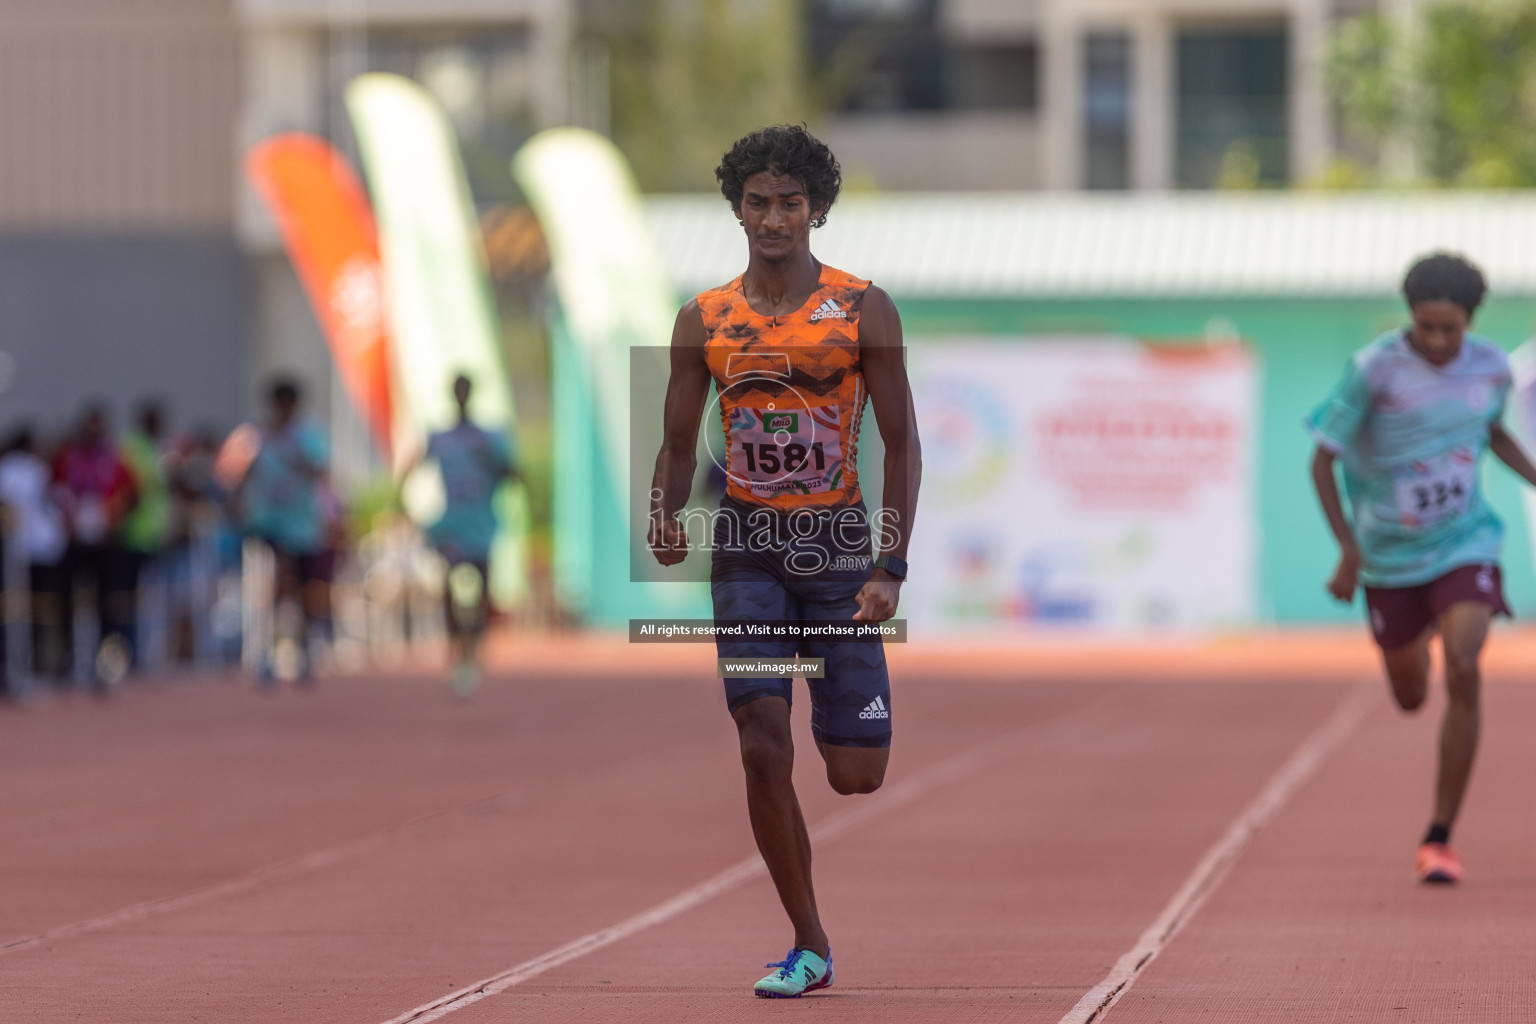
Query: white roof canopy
{"x": 1064, "y": 245}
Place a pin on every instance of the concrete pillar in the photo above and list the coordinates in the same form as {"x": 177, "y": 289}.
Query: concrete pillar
{"x": 551, "y": 51}
{"x": 284, "y": 90}
{"x": 1061, "y": 107}
{"x": 1152, "y": 102}
{"x": 1310, "y": 124}
{"x": 1400, "y": 158}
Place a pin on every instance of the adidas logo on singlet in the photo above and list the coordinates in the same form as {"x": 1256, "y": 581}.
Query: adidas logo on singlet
{"x": 829, "y": 309}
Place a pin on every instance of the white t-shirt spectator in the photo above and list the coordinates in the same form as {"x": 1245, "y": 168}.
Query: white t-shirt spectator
{"x": 25, "y": 484}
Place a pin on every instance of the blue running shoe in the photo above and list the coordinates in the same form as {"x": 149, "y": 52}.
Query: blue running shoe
{"x": 798, "y": 973}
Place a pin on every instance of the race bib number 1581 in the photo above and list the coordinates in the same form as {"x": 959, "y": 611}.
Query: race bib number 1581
{"x": 796, "y": 450}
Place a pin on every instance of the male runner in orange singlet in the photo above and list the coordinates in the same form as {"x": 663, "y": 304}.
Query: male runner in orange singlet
{"x": 794, "y": 349}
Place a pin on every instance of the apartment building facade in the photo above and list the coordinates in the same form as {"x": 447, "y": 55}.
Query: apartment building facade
{"x": 1086, "y": 94}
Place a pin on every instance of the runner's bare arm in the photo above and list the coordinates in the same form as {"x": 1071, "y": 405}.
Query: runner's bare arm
{"x": 1509, "y": 452}
{"x": 687, "y": 390}
{"x": 882, "y": 358}
{"x": 1346, "y": 575}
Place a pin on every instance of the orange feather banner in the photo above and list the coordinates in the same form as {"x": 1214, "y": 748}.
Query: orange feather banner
{"x": 333, "y": 241}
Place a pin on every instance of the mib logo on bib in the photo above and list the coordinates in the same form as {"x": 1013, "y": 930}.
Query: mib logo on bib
{"x": 876, "y": 709}
{"x": 828, "y": 310}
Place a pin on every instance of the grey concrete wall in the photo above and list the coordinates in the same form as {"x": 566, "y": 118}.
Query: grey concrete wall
{"x": 965, "y": 150}
{"x": 123, "y": 317}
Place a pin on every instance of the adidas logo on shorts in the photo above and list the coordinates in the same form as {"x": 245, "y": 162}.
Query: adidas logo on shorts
{"x": 876, "y": 709}
{"x": 827, "y": 310}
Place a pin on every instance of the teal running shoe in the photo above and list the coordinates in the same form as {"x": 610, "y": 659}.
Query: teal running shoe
{"x": 798, "y": 973}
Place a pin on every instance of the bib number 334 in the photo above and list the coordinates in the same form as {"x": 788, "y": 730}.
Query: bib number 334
{"x": 1431, "y": 491}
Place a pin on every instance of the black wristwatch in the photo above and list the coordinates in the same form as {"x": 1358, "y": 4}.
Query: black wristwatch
{"x": 892, "y": 565}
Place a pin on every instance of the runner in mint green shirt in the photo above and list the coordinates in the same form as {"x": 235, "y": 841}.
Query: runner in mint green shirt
{"x": 1409, "y": 423}
{"x": 473, "y": 462}
{"x": 283, "y": 500}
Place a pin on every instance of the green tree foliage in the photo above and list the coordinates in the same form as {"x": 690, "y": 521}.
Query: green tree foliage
{"x": 699, "y": 74}
{"x": 1456, "y": 87}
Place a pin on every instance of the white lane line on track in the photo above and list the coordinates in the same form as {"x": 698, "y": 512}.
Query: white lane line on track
{"x": 889, "y": 798}
{"x": 1219, "y": 859}
{"x": 316, "y": 861}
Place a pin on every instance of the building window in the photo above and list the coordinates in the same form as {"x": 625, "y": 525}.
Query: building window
{"x": 1001, "y": 77}
{"x": 1107, "y": 110}
{"x": 877, "y": 8}
{"x": 881, "y": 56}
{"x": 1232, "y": 108}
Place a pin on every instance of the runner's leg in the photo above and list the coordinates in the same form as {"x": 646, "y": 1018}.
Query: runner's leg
{"x": 469, "y": 593}
{"x": 453, "y": 618}
{"x": 768, "y": 757}
{"x": 853, "y": 770}
{"x": 481, "y": 612}
{"x": 315, "y": 573}
{"x": 1463, "y": 631}
{"x": 314, "y": 589}
{"x": 466, "y": 597}
{"x": 850, "y": 704}
{"x": 1408, "y": 671}
{"x": 287, "y": 591}
{"x": 746, "y": 586}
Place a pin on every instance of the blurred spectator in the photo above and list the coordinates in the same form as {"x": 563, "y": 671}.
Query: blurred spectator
{"x": 36, "y": 528}
{"x": 202, "y": 554}
{"x": 145, "y": 530}
{"x": 97, "y": 492}
{"x": 284, "y": 501}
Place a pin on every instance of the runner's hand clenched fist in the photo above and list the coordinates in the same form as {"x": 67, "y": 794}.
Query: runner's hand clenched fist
{"x": 877, "y": 601}
{"x": 668, "y": 540}
{"x": 1342, "y": 585}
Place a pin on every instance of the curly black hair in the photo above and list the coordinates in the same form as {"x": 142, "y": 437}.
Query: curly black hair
{"x": 1445, "y": 275}
{"x": 783, "y": 149}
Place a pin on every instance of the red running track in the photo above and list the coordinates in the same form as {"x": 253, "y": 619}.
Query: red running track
{"x": 206, "y": 852}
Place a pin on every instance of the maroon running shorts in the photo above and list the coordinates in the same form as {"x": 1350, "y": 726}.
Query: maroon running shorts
{"x": 1400, "y": 614}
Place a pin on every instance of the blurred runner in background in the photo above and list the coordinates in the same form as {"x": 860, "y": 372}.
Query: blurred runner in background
{"x": 1410, "y": 421}
{"x": 283, "y": 501}
{"x": 473, "y": 463}
{"x": 97, "y": 492}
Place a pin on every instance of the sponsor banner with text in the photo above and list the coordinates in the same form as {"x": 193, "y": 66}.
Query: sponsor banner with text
{"x": 1098, "y": 483}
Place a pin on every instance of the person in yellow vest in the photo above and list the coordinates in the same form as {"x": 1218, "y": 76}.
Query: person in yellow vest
{"x": 146, "y": 529}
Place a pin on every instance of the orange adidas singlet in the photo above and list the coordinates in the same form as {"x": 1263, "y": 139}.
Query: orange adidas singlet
{"x": 791, "y": 394}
